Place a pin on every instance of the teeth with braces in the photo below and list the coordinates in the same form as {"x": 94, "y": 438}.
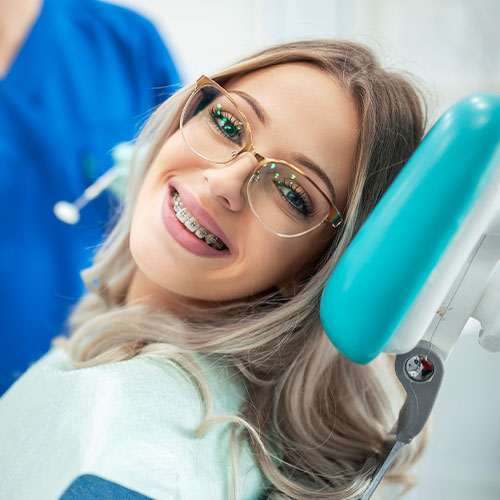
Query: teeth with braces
{"x": 191, "y": 224}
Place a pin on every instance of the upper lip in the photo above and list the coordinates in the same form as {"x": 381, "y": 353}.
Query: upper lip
{"x": 192, "y": 205}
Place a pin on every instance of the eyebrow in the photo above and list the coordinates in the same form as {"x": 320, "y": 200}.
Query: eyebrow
{"x": 297, "y": 157}
{"x": 308, "y": 163}
{"x": 258, "y": 109}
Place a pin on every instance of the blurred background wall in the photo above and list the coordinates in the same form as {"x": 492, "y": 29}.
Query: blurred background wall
{"x": 453, "y": 49}
{"x": 453, "y": 46}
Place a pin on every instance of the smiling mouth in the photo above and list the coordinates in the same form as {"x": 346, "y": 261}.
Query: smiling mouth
{"x": 193, "y": 226}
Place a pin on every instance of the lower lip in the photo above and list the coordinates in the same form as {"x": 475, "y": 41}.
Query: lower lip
{"x": 183, "y": 236}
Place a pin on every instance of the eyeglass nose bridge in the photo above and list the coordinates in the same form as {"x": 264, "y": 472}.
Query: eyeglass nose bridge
{"x": 260, "y": 159}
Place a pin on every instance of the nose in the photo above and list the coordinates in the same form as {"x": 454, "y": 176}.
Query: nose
{"x": 226, "y": 183}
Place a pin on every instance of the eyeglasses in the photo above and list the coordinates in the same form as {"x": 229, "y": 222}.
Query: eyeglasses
{"x": 284, "y": 199}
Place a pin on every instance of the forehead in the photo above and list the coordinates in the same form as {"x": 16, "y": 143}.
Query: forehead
{"x": 308, "y": 112}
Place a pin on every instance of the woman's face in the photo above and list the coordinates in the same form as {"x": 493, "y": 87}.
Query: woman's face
{"x": 301, "y": 111}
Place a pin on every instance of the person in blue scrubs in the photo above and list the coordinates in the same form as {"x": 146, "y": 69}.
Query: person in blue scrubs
{"x": 77, "y": 77}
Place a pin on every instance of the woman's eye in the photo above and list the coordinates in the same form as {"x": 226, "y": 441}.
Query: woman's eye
{"x": 295, "y": 196}
{"x": 227, "y": 125}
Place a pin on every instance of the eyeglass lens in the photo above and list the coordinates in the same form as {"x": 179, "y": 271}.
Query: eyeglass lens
{"x": 284, "y": 201}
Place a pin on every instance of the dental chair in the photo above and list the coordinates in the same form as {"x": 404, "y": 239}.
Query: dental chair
{"x": 425, "y": 261}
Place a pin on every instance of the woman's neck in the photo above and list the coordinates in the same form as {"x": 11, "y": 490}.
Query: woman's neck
{"x": 144, "y": 291}
{"x": 16, "y": 19}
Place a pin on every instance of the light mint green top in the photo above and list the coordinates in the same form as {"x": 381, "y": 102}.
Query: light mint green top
{"x": 132, "y": 422}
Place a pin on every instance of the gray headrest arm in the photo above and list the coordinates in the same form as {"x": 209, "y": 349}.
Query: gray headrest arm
{"x": 420, "y": 371}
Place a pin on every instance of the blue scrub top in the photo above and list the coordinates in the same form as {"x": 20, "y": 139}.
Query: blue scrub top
{"x": 85, "y": 79}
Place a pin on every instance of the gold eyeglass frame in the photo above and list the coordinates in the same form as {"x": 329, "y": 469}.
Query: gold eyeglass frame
{"x": 334, "y": 217}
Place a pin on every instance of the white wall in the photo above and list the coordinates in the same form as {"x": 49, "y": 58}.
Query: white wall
{"x": 453, "y": 46}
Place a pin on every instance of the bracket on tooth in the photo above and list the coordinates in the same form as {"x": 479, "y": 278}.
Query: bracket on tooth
{"x": 182, "y": 215}
{"x": 192, "y": 225}
{"x": 214, "y": 242}
{"x": 201, "y": 233}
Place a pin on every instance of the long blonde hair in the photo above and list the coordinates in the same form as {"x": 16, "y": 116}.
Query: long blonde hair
{"x": 330, "y": 419}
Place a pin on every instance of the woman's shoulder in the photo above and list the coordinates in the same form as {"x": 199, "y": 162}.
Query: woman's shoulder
{"x": 161, "y": 387}
{"x": 131, "y": 420}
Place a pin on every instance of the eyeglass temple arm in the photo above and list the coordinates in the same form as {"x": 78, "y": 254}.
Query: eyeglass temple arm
{"x": 335, "y": 219}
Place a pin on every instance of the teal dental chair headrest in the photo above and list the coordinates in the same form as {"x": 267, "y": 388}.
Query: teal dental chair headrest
{"x": 392, "y": 258}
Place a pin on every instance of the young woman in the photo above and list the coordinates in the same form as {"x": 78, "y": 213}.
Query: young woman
{"x": 250, "y": 186}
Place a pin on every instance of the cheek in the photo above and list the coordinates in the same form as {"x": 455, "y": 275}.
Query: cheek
{"x": 301, "y": 256}
{"x": 148, "y": 240}
{"x": 274, "y": 262}
{"x": 173, "y": 155}
{"x": 175, "y": 147}
{"x": 144, "y": 241}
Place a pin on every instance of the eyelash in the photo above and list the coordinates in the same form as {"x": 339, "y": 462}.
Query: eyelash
{"x": 215, "y": 115}
{"x": 307, "y": 212}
